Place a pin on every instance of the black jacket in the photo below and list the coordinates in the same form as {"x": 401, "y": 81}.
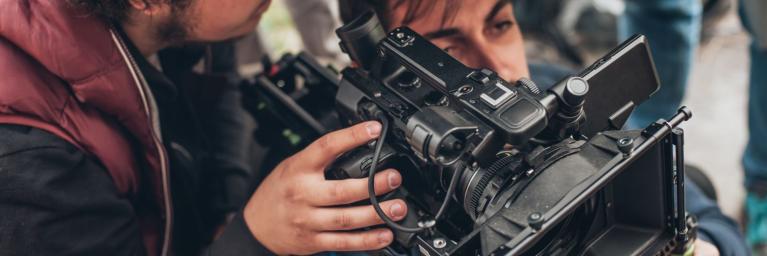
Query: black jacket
{"x": 55, "y": 200}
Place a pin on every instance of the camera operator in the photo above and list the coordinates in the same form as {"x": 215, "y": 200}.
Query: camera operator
{"x": 101, "y": 152}
{"x": 484, "y": 34}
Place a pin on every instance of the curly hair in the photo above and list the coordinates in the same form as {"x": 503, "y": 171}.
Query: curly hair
{"x": 117, "y": 10}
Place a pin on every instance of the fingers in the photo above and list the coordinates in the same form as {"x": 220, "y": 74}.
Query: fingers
{"x": 354, "y": 241}
{"x": 324, "y": 150}
{"x": 338, "y": 192}
{"x": 349, "y": 218}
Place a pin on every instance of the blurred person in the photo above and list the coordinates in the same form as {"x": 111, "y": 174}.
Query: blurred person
{"x": 103, "y": 153}
{"x": 484, "y": 34}
{"x": 673, "y": 30}
{"x": 755, "y": 155}
{"x": 316, "y": 21}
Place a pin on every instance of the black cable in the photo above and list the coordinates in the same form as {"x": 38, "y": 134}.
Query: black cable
{"x": 450, "y": 190}
{"x": 371, "y": 186}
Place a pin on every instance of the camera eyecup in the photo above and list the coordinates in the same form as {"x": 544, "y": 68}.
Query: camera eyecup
{"x": 360, "y": 38}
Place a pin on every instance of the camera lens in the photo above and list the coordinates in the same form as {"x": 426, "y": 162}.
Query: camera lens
{"x": 480, "y": 185}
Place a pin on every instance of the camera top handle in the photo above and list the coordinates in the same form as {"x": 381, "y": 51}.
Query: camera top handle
{"x": 481, "y": 111}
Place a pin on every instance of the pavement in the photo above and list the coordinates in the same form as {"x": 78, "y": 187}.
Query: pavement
{"x": 718, "y": 96}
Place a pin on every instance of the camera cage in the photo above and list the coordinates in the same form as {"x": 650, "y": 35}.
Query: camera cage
{"x": 635, "y": 176}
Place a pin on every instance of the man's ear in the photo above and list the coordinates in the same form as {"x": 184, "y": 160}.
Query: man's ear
{"x": 150, "y": 7}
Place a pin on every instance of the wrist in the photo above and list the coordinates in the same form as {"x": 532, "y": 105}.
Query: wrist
{"x": 256, "y": 228}
{"x": 238, "y": 239}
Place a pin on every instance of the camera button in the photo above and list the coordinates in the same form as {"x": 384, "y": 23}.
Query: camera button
{"x": 479, "y": 77}
{"x": 497, "y": 95}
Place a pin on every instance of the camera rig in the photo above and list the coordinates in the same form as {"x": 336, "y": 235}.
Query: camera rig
{"x": 292, "y": 104}
{"x": 515, "y": 158}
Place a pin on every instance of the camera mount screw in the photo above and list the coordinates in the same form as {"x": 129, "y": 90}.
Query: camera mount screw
{"x": 626, "y": 145}
{"x": 439, "y": 243}
{"x": 535, "y": 220}
{"x": 427, "y": 223}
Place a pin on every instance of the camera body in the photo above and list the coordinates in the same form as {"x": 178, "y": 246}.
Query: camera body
{"x": 528, "y": 181}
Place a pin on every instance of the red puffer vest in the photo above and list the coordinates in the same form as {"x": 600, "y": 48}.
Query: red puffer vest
{"x": 70, "y": 74}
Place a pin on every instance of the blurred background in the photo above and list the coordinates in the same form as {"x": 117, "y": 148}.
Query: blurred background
{"x": 574, "y": 33}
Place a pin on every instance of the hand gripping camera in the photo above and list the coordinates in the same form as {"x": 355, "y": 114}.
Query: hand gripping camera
{"x": 494, "y": 168}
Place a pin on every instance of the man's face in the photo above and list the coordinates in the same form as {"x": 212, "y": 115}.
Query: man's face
{"x": 217, "y": 20}
{"x": 482, "y": 34}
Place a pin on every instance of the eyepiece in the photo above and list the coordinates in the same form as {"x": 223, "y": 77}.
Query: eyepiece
{"x": 359, "y": 39}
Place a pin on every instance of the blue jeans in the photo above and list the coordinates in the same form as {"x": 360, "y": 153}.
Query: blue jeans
{"x": 755, "y": 155}
{"x": 673, "y": 29}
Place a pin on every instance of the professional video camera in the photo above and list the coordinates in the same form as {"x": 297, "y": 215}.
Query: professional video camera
{"x": 528, "y": 171}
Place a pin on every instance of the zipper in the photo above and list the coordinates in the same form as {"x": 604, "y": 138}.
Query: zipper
{"x": 150, "y": 109}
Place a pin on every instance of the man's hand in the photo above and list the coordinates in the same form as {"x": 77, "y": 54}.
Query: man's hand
{"x": 297, "y": 211}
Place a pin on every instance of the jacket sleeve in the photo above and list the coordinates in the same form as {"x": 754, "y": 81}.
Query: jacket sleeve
{"x": 713, "y": 226}
{"x": 236, "y": 240}
{"x": 55, "y": 200}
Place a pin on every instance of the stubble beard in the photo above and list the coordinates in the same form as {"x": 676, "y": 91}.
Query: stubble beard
{"x": 177, "y": 30}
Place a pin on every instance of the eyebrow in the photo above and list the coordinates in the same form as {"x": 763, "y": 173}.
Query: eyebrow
{"x": 441, "y": 33}
{"x": 496, "y": 8}
{"x": 446, "y": 32}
